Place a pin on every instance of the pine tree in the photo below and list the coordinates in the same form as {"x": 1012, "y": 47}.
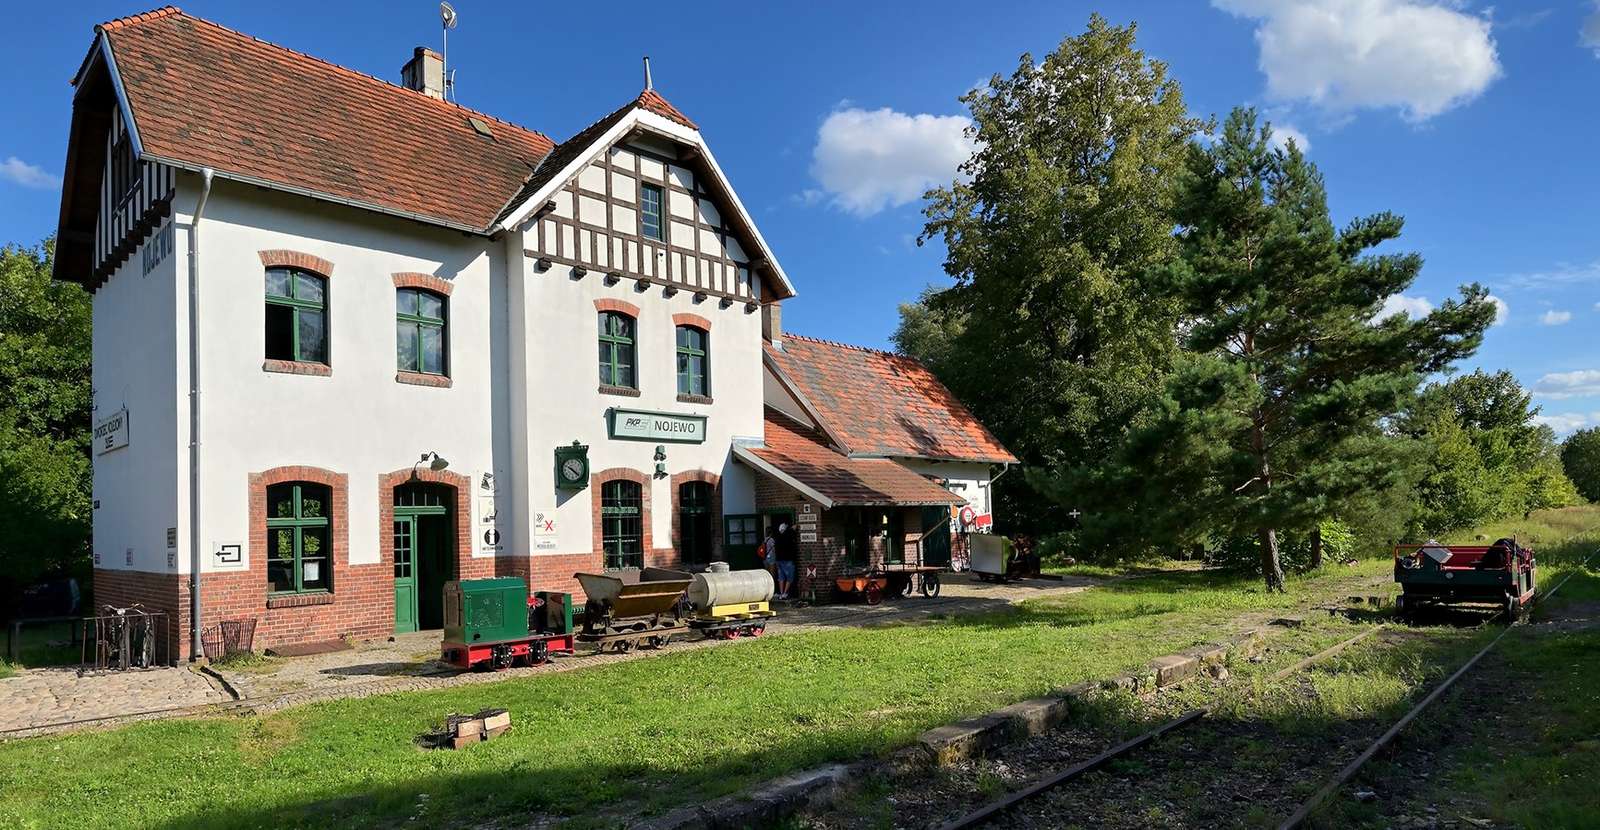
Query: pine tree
{"x": 1275, "y": 416}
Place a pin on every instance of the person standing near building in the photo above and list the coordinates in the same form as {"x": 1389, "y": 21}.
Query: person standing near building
{"x": 769, "y": 553}
{"x": 788, "y": 552}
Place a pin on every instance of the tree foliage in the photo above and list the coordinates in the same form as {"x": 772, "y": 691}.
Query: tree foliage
{"x": 1049, "y": 333}
{"x": 1580, "y": 459}
{"x": 1488, "y": 457}
{"x": 1272, "y": 419}
{"x": 44, "y": 419}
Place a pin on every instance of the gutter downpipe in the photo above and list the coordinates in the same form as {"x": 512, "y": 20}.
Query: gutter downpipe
{"x": 195, "y": 647}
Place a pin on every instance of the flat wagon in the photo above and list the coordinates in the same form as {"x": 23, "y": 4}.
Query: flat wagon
{"x": 1501, "y": 574}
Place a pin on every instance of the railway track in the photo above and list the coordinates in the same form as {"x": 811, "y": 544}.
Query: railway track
{"x": 1000, "y": 807}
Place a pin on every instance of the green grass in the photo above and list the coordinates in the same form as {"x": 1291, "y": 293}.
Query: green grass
{"x": 654, "y": 734}
{"x": 34, "y": 648}
{"x": 681, "y": 727}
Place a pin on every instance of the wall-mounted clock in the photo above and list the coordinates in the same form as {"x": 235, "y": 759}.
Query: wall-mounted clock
{"x": 572, "y": 467}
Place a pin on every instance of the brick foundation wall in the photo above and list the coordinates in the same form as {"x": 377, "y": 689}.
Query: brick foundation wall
{"x": 360, "y": 605}
{"x": 168, "y": 593}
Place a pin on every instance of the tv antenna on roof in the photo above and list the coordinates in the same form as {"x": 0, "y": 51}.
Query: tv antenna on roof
{"x": 447, "y": 16}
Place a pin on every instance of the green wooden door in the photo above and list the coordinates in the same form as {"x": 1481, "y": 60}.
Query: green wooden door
{"x": 405, "y": 573}
{"x": 936, "y": 536}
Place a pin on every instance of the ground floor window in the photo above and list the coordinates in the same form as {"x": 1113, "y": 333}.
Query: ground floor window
{"x": 622, "y": 524}
{"x": 694, "y": 522}
{"x": 298, "y": 543}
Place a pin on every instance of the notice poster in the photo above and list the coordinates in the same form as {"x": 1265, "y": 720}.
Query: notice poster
{"x": 544, "y": 530}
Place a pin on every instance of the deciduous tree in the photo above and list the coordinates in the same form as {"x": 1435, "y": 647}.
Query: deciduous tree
{"x": 1049, "y": 334}
{"x": 1580, "y": 458}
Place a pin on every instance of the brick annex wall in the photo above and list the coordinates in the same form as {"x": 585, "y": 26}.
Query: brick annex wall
{"x": 168, "y": 593}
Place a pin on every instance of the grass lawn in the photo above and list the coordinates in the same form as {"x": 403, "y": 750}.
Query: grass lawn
{"x": 655, "y": 733}
{"x": 34, "y": 648}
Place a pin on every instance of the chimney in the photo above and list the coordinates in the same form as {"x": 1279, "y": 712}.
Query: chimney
{"x": 772, "y": 324}
{"x": 424, "y": 73}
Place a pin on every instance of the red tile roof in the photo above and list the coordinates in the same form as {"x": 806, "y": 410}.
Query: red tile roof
{"x": 880, "y": 403}
{"x": 802, "y": 454}
{"x": 205, "y": 95}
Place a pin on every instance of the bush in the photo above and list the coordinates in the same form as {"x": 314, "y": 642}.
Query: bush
{"x": 1294, "y": 549}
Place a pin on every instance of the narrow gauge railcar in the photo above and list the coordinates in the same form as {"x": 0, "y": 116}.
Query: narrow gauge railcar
{"x": 724, "y": 604}
{"x": 495, "y": 624}
{"x": 1501, "y": 574}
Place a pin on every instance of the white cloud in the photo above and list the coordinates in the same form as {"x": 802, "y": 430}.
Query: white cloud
{"x": 20, "y": 172}
{"x": 1281, "y": 133}
{"x": 1554, "y": 317}
{"x": 1589, "y": 35}
{"x": 1567, "y": 422}
{"x": 867, "y": 161}
{"x": 1421, "y": 56}
{"x": 1563, "y": 273}
{"x": 1401, "y": 304}
{"x": 1560, "y": 385}
{"x": 1501, "y": 310}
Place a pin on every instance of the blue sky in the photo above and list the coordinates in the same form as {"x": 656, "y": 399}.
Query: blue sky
{"x": 1475, "y": 122}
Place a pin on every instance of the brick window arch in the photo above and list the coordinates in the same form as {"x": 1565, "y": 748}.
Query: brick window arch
{"x": 620, "y": 516}
{"x": 697, "y": 517}
{"x": 270, "y": 525}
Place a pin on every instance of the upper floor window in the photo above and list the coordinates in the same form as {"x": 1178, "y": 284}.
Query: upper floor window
{"x": 650, "y": 220}
{"x": 298, "y": 538}
{"x": 124, "y": 170}
{"x": 692, "y": 355}
{"x": 297, "y": 321}
{"x": 616, "y": 350}
{"x": 420, "y": 331}
{"x": 622, "y": 524}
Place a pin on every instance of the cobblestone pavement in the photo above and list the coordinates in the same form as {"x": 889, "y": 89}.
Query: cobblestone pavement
{"x": 45, "y": 700}
{"x": 37, "y": 697}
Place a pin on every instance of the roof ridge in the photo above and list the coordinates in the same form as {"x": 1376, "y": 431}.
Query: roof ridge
{"x": 852, "y": 347}
{"x": 129, "y": 20}
{"x": 168, "y": 11}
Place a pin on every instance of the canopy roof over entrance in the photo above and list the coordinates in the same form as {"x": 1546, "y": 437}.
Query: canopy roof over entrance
{"x": 798, "y": 456}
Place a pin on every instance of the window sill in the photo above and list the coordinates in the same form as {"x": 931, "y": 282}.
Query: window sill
{"x": 705, "y": 399}
{"x": 624, "y": 391}
{"x": 298, "y": 600}
{"x": 297, "y": 367}
{"x": 423, "y": 379}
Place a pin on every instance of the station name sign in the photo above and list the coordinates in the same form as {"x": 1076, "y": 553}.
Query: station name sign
{"x": 636, "y": 425}
{"x": 111, "y": 433}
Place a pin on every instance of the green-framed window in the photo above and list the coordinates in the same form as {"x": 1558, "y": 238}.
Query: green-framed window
{"x": 299, "y": 538}
{"x": 297, "y": 316}
{"x": 743, "y": 529}
{"x": 617, "y": 356}
{"x": 420, "y": 331}
{"x": 694, "y": 522}
{"x": 621, "y": 524}
{"x": 694, "y": 354}
{"x": 651, "y": 223}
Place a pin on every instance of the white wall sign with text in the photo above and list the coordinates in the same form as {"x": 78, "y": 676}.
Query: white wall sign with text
{"x": 111, "y": 433}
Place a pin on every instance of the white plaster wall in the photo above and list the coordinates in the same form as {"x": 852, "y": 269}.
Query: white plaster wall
{"x": 359, "y": 421}
{"x": 135, "y": 343}
{"x": 563, "y": 403}
{"x": 975, "y": 477}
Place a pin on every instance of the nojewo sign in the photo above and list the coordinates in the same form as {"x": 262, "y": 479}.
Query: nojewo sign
{"x": 658, "y": 426}
{"x": 111, "y": 433}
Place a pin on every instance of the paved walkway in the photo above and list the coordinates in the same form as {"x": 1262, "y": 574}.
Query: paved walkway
{"x": 39, "y": 701}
